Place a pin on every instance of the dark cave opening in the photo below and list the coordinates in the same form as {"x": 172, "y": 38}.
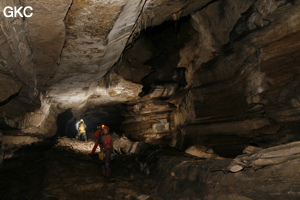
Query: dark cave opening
{"x": 166, "y": 41}
{"x": 109, "y": 115}
{"x": 62, "y": 122}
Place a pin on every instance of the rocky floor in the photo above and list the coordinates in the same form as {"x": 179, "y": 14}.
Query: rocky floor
{"x": 63, "y": 169}
{"x": 58, "y": 172}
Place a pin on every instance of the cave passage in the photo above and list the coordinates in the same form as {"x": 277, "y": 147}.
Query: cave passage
{"x": 46, "y": 172}
{"x": 109, "y": 115}
{"x": 201, "y": 98}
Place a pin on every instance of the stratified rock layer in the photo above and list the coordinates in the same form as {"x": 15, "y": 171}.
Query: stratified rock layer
{"x": 218, "y": 73}
{"x": 182, "y": 177}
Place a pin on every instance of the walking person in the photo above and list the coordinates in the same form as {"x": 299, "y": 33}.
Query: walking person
{"x": 98, "y": 134}
{"x": 81, "y": 128}
{"x": 107, "y": 143}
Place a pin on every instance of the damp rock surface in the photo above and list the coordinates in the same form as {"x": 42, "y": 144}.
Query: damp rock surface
{"x": 61, "y": 173}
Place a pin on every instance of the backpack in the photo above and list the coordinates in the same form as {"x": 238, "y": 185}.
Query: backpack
{"x": 100, "y": 139}
{"x": 81, "y": 128}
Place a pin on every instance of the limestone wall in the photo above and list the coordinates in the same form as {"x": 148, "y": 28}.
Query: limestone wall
{"x": 250, "y": 82}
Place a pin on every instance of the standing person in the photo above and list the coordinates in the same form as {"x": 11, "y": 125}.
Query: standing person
{"x": 80, "y": 127}
{"x": 108, "y": 149}
{"x": 98, "y": 134}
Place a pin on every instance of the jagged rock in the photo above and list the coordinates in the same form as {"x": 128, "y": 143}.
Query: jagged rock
{"x": 251, "y": 149}
{"x": 144, "y": 197}
{"x": 231, "y": 72}
{"x": 224, "y": 74}
{"x": 123, "y": 145}
{"x": 144, "y": 168}
{"x": 177, "y": 174}
{"x": 72, "y": 144}
{"x": 163, "y": 90}
{"x": 46, "y": 38}
{"x": 11, "y": 87}
{"x": 12, "y": 143}
{"x": 148, "y": 121}
{"x": 201, "y": 152}
{"x": 264, "y": 157}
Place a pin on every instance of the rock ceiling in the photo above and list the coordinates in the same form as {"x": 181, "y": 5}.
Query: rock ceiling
{"x": 63, "y": 51}
{"x": 225, "y": 61}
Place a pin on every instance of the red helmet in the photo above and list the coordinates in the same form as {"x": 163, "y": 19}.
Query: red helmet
{"x": 103, "y": 127}
{"x": 106, "y": 127}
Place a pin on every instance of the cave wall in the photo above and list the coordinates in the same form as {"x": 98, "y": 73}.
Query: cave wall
{"x": 16, "y": 67}
{"x": 241, "y": 71}
{"x": 248, "y": 88}
{"x": 214, "y": 68}
{"x": 30, "y": 52}
{"x": 50, "y": 61}
{"x": 181, "y": 176}
{"x": 152, "y": 62}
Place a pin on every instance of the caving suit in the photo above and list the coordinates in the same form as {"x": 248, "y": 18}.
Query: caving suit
{"x": 81, "y": 130}
{"x": 98, "y": 133}
{"x": 108, "y": 148}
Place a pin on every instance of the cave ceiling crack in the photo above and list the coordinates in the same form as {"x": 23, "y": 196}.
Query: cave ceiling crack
{"x": 57, "y": 63}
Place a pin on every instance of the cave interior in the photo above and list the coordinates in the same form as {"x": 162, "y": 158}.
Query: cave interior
{"x": 202, "y": 98}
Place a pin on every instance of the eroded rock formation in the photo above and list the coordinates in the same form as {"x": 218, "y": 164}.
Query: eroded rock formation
{"x": 223, "y": 74}
{"x": 182, "y": 177}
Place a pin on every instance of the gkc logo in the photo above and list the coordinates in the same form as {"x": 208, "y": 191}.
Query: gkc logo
{"x": 18, "y": 11}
